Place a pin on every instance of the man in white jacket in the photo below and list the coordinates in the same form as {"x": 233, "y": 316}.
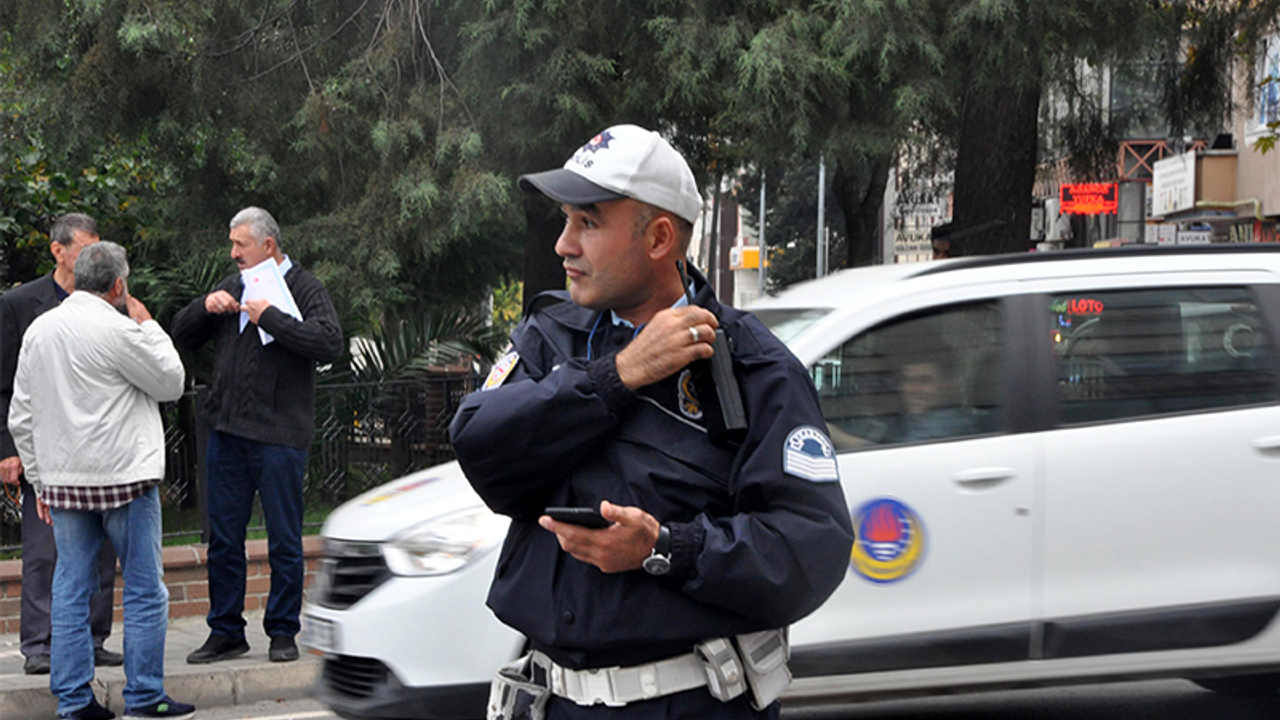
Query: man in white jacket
{"x": 85, "y": 418}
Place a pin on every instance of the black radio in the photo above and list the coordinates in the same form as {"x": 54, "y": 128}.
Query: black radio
{"x": 716, "y": 385}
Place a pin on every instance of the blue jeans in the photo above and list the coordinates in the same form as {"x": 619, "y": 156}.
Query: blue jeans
{"x": 134, "y": 530}
{"x": 238, "y": 468}
{"x": 39, "y": 556}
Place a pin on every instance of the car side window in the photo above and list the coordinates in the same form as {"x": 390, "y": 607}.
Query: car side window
{"x": 926, "y": 377}
{"x": 1134, "y": 353}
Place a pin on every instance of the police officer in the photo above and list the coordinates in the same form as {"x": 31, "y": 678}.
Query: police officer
{"x": 708, "y": 540}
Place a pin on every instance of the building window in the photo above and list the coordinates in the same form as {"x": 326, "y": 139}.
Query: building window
{"x": 1267, "y": 85}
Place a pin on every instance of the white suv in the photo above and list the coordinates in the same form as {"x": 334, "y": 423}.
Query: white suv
{"x": 1061, "y": 467}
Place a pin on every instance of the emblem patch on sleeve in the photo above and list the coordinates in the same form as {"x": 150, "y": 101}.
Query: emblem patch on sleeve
{"x": 809, "y": 454}
{"x": 501, "y": 370}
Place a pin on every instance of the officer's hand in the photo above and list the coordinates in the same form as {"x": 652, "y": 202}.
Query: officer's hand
{"x": 255, "y": 309}
{"x": 221, "y": 302}
{"x": 620, "y": 547}
{"x": 10, "y": 470}
{"x": 670, "y": 341}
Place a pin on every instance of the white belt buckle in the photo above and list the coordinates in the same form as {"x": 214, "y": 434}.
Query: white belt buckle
{"x": 597, "y": 687}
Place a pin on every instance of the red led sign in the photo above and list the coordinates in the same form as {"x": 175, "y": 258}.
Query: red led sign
{"x": 1089, "y": 198}
{"x": 1084, "y": 306}
{"x": 1077, "y": 306}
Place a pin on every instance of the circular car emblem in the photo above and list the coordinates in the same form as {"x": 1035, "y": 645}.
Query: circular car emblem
{"x": 890, "y": 542}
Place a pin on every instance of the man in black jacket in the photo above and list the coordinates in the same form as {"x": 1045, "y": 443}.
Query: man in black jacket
{"x": 20, "y": 306}
{"x": 261, "y": 418}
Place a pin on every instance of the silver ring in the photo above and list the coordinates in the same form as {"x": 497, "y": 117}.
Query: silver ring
{"x": 696, "y": 337}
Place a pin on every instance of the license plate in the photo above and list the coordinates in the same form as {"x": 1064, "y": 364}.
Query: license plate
{"x": 321, "y": 635}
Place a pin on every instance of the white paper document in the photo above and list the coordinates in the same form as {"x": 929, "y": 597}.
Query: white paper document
{"x": 264, "y": 281}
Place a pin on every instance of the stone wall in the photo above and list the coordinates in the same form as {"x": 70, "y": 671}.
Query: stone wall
{"x": 185, "y": 575}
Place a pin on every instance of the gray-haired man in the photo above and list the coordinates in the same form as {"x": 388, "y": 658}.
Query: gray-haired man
{"x": 261, "y": 411}
{"x": 85, "y": 418}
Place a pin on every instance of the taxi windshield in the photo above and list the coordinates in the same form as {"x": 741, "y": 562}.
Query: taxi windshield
{"x": 789, "y": 323}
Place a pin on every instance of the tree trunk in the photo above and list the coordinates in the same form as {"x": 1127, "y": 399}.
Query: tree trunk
{"x": 858, "y": 186}
{"x": 542, "y": 268}
{"x": 995, "y": 171}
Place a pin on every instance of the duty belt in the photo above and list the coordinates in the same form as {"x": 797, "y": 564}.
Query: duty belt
{"x": 617, "y": 686}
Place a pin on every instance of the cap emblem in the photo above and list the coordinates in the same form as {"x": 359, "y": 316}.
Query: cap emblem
{"x": 584, "y": 155}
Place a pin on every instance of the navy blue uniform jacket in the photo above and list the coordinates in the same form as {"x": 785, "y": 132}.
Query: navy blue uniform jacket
{"x": 753, "y": 547}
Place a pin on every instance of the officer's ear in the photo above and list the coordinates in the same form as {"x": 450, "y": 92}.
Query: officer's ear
{"x": 662, "y": 240}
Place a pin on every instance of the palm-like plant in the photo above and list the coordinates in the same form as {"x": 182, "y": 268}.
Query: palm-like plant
{"x": 408, "y": 349}
{"x": 401, "y": 386}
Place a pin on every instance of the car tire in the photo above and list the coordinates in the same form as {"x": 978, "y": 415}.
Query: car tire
{"x": 1242, "y": 685}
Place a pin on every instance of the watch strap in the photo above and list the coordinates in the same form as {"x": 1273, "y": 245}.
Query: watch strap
{"x": 663, "y": 544}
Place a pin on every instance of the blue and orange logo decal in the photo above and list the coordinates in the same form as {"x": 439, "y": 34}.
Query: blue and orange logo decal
{"x": 393, "y": 492}
{"x": 890, "y": 543}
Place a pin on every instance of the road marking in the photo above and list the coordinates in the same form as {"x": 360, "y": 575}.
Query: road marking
{"x": 299, "y": 716}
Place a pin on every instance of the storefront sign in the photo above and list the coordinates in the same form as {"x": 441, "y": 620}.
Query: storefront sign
{"x": 1089, "y": 198}
{"x": 1173, "y": 185}
{"x": 1077, "y": 306}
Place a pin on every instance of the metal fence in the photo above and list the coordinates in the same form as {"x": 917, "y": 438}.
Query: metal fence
{"x": 367, "y": 434}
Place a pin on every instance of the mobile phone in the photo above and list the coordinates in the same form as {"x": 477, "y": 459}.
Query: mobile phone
{"x": 586, "y": 517}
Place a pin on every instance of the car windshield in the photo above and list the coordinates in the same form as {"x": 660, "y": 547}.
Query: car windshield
{"x": 788, "y": 323}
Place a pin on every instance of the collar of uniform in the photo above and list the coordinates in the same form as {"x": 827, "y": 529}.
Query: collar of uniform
{"x": 620, "y": 321}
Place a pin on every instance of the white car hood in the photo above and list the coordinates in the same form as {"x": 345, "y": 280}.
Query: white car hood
{"x": 385, "y": 511}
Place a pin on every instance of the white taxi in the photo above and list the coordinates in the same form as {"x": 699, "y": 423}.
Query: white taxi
{"x": 1061, "y": 468}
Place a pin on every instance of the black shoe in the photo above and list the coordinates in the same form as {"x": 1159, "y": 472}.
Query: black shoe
{"x": 92, "y": 711}
{"x": 283, "y": 649}
{"x": 103, "y": 657}
{"x": 216, "y": 648}
{"x": 166, "y": 708}
{"x": 36, "y": 665}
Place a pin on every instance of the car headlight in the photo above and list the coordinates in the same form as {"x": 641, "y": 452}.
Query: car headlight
{"x": 445, "y": 544}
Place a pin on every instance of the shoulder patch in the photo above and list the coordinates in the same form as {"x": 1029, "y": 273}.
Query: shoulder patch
{"x": 809, "y": 454}
{"x": 501, "y": 370}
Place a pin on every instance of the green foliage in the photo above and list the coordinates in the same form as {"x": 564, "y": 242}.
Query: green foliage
{"x": 1267, "y": 143}
{"x": 36, "y": 187}
{"x": 339, "y": 116}
{"x": 404, "y": 350}
{"x": 791, "y": 220}
{"x": 386, "y": 135}
{"x": 507, "y": 307}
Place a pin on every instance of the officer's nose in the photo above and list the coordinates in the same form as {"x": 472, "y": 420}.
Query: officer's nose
{"x": 567, "y": 245}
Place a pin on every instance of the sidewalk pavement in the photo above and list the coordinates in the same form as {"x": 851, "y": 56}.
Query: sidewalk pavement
{"x": 247, "y": 679}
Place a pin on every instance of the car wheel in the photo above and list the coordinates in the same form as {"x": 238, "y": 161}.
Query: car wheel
{"x": 1242, "y": 685}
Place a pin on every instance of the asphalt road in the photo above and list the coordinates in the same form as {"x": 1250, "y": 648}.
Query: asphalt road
{"x": 1156, "y": 700}
{"x": 1153, "y": 700}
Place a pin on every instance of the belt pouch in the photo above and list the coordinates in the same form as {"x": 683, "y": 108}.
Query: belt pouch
{"x": 720, "y": 661}
{"x": 515, "y": 693}
{"x": 764, "y": 655}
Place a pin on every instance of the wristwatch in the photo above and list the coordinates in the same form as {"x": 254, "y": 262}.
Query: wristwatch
{"x": 659, "y": 560}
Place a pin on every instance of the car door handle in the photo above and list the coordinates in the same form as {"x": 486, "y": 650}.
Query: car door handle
{"x": 983, "y": 477}
{"x": 1266, "y": 444}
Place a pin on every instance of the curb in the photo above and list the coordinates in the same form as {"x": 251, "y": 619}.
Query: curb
{"x": 205, "y": 688}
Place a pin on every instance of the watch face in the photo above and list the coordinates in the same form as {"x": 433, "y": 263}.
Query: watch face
{"x": 657, "y": 565}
